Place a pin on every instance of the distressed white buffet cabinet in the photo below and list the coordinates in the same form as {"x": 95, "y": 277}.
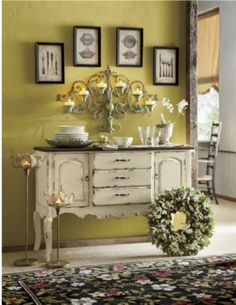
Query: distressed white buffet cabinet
{"x": 106, "y": 183}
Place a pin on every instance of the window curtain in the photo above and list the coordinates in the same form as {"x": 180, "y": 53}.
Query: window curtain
{"x": 208, "y": 51}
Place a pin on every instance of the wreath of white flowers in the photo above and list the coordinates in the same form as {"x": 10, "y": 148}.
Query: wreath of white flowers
{"x": 198, "y": 226}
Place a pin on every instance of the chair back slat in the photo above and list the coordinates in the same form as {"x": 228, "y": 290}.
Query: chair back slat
{"x": 208, "y": 181}
{"x": 214, "y": 139}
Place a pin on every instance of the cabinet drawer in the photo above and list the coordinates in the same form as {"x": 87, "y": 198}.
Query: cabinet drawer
{"x": 122, "y": 160}
{"x": 124, "y": 195}
{"x": 129, "y": 177}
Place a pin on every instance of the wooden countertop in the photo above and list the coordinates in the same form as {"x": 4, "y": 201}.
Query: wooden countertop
{"x": 130, "y": 148}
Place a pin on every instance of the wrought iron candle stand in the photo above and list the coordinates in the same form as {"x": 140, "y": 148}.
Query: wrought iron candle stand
{"x": 58, "y": 201}
{"x": 26, "y": 162}
{"x": 108, "y": 95}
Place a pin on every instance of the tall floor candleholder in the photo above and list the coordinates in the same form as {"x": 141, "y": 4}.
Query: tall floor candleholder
{"x": 26, "y": 162}
{"x": 58, "y": 201}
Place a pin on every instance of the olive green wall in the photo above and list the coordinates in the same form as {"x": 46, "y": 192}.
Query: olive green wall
{"x": 31, "y": 114}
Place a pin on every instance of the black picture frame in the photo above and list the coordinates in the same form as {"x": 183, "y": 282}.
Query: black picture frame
{"x": 86, "y": 46}
{"x": 166, "y": 66}
{"x": 129, "y": 47}
{"x": 49, "y": 63}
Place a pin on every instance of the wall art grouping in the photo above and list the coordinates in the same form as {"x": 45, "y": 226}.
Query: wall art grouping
{"x": 87, "y": 53}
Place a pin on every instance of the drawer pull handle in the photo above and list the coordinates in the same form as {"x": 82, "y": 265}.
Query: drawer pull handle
{"x": 122, "y": 195}
{"x": 122, "y": 160}
{"x": 122, "y": 178}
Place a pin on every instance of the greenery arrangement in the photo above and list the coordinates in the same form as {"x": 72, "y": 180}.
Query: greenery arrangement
{"x": 196, "y": 229}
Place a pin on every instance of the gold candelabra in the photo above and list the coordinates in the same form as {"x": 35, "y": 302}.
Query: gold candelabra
{"x": 26, "y": 162}
{"x": 58, "y": 201}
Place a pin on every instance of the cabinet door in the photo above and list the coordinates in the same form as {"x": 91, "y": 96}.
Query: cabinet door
{"x": 71, "y": 176}
{"x": 170, "y": 170}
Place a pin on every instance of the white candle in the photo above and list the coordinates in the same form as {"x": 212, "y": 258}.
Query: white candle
{"x": 120, "y": 84}
{"x": 84, "y": 92}
{"x": 70, "y": 102}
{"x": 101, "y": 85}
{"x": 150, "y": 102}
{"x": 137, "y": 92}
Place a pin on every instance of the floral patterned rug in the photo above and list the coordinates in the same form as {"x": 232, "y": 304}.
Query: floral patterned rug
{"x": 179, "y": 281}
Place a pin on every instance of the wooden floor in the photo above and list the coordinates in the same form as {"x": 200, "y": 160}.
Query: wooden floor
{"x": 223, "y": 242}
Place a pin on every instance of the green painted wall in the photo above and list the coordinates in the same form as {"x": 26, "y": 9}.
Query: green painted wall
{"x": 31, "y": 114}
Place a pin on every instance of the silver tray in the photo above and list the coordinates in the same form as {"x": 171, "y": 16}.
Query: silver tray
{"x": 69, "y": 143}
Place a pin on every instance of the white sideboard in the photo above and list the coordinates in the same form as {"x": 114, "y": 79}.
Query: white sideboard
{"x": 116, "y": 183}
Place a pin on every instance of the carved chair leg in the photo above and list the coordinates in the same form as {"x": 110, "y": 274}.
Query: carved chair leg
{"x": 209, "y": 190}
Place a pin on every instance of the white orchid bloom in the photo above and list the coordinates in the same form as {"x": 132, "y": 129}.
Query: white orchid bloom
{"x": 166, "y": 103}
{"x": 181, "y": 106}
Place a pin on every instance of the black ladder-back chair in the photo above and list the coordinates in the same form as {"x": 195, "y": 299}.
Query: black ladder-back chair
{"x": 207, "y": 182}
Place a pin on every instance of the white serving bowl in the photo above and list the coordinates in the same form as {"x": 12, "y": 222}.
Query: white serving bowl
{"x": 123, "y": 141}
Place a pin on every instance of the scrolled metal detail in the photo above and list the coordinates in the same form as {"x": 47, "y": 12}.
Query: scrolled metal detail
{"x": 108, "y": 96}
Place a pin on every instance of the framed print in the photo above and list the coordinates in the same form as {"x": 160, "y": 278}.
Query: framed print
{"x": 165, "y": 65}
{"x": 129, "y": 47}
{"x": 87, "y": 46}
{"x": 49, "y": 63}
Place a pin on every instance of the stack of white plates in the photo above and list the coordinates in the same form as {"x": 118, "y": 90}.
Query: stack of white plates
{"x": 67, "y": 132}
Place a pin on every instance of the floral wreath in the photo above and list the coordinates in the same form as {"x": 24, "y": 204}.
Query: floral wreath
{"x": 192, "y": 235}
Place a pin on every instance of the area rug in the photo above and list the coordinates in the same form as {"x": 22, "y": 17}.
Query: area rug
{"x": 179, "y": 281}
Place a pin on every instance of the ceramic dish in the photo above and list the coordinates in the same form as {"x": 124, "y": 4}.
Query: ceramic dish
{"x": 123, "y": 142}
{"x": 69, "y": 143}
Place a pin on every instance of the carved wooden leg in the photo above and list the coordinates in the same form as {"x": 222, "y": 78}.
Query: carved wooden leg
{"x": 37, "y": 230}
{"x": 47, "y": 222}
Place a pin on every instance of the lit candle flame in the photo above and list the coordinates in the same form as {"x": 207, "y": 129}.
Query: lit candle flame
{"x": 59, "y": 199}
{"x": 70, "y": 102}
{"x": 137, "y": 91}
{"x": 25, "y": 163}
{"x": 101, "y": 85}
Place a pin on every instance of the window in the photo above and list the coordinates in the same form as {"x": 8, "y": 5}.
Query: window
{"x": 208, "y": 111}
{"x": 208, "y": 72}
